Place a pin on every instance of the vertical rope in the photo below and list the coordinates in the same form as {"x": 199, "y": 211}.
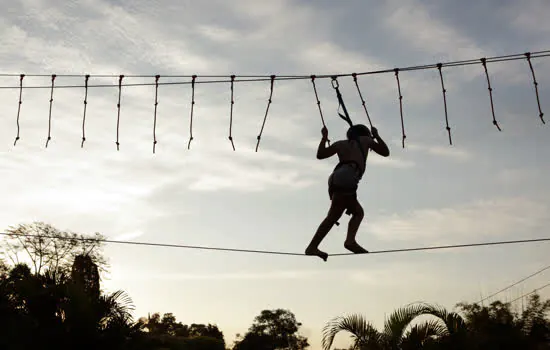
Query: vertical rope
{"x": 439, "y": 65}
{"x": 396, "y": 70}
{"x": 50, "y": 114}
{"x": 318, "y": 102}
{"x": 192, "y": 107}
{"x": 118, "y": 107}
{"x": 266, "y": 111}
{"x": 231, "y": 113}
{"x": 19, "y": 106}
{"x": 86, "y": 78}
{"x": 354, "y": 75}
{"x": 541, "y": 115}
{"x": 157, "y": 77}
{"x": 484, "y": 63}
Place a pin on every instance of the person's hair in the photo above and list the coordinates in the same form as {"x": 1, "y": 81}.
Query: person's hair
{"x": 358, "y": 130}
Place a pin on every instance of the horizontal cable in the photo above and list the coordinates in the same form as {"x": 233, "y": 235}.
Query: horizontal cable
{"x": 277, "y": 252}
{"x": 259, "y": 78}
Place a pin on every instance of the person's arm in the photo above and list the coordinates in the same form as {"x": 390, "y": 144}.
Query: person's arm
{"x": 379, "y": 146}
{"x": 324, "y": 152}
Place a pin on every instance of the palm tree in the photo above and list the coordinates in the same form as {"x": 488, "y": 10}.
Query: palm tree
{"x": 394, "y": 336}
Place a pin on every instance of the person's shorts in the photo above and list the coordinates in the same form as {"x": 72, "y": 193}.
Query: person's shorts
{"x": 344, "y": 179}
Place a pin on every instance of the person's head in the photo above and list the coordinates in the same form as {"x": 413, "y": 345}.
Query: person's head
{"x": 358, "y": 130}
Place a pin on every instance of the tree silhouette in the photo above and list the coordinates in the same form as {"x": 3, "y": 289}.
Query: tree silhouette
{"x": 273, "y": 329}
{"x": 49, "y": 248}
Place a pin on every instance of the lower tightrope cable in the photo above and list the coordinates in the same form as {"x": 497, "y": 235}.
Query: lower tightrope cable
{"x": 401, "y": 250}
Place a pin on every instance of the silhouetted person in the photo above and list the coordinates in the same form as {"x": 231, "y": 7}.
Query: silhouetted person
{"x": 343, "y": 183}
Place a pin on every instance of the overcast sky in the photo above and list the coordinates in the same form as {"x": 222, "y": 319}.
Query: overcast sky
{"x": 488, "y": 186}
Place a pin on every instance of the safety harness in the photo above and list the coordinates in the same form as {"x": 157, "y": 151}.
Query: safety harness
{"x": 353, "y": 135}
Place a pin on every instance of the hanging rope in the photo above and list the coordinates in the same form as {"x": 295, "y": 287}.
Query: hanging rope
{"x": 192, "y": 107}
{"x": 484, "y": 63}
{"x": 354, "y": 75}
{"x": 118, "y": 107}
{"x": 231, "y": 113}
{"x": 50, "y": 114}
{"x": 86, "y": 78}
{"x": 266, "y": 111}
{"x": 439, "y": 65}
{"x": 319, "y": 103}
{"x": 396, "y": 70}
{"x": 19, "y": 106}
{"x": 541, "y": 115}
{"x": 157, "y": 77}
{"x": 262, "y": 78}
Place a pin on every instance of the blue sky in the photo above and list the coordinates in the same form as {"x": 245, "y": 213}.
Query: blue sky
{"x": 489, "y": 185}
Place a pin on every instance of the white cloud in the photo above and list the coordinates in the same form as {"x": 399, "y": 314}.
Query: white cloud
{"x": 459, "y": 154}
{"x": 413, "y": 21}
{"x": 128, "y": 236}
{"x": 514, "y": 176}
{"x": 484, "y": 218}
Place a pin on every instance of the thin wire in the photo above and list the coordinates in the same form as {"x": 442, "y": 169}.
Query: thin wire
{"x": 50, "y": 114}
{"x": 279, "y": 252}
{"x": 155, "y": 116}
{"x": 21, "y": 76}
{"x": 445, "y": 102}
{"x": 120, "y": 77}
{"x": 396, "y": 70}
{"x": 262, "y": 78}
{"x": 541, "y": 115}
{"x": 515, "y": 283}
{"x": 231, "y": 113}
{"x": 354, "y": 75}
{"x": 534, "y": 291}
{"x": 192, "y": 107}
{"x": 484, "y": 63}
{"x": 87, "y": 77}
{"x": 266, "y": 111}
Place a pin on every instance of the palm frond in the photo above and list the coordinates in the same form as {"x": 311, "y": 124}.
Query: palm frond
{"x": 116, "y": 306}
{"x": 428, "y": 329}
{"x": 400, "y": 319}
{"x": 362, "y": 332}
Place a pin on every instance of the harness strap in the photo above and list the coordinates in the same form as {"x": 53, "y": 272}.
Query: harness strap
{"x": 347, "y": 119}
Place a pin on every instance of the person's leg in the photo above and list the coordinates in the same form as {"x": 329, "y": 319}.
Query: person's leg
{"x": 353, "y": 226}
{"x": 336, "y": 210}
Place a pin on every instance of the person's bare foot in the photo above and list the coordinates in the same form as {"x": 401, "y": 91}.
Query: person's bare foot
{"x": 317, "y": 252}
{"x": 355, "y": 248}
